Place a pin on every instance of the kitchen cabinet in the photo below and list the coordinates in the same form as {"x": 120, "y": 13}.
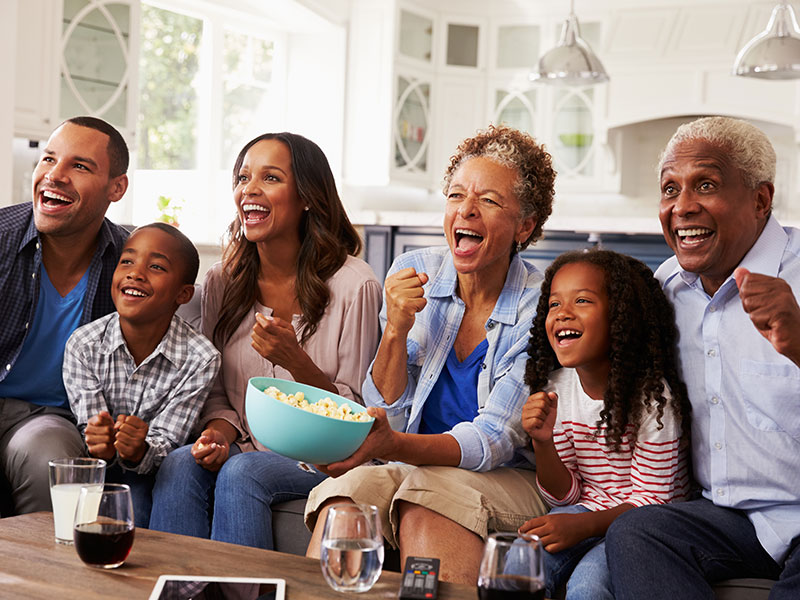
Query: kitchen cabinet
{"x": 451, "y": 74}
{"x": 83, "y": 61}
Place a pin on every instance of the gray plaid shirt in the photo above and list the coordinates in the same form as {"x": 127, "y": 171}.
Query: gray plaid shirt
{"x": 167, "y": 390}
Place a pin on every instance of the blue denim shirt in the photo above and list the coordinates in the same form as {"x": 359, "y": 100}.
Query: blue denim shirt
{"x": 20, "y": 260}
{"x": 745, "y": 395}
{"x": 496, "y": 433}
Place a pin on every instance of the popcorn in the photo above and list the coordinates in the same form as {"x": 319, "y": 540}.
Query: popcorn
{"x": 325, "y": 407}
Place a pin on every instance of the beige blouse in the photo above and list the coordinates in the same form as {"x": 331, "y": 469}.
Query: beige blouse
{"x": 342, "y": 347}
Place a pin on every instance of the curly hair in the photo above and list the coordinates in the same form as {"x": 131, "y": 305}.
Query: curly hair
{"x": 326, "y": 234}
{"x": 643, "y": 345}
{"x": 534, "y": 187}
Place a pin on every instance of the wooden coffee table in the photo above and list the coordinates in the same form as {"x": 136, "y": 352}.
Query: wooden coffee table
{"x": 33, "y": 566}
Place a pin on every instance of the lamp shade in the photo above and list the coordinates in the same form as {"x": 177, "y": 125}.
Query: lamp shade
{"x": 572, "y": 61}
{"x": 775, "y": 52}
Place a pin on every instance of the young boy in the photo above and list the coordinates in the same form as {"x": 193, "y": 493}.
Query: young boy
{"x": 137, "y": 379}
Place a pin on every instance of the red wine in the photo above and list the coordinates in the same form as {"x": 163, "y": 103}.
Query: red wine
{"x": 107, "y": 543}
{"x": 510, "y": 587}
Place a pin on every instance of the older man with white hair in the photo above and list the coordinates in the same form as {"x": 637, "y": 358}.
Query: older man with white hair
{"x": 734, "y": 282}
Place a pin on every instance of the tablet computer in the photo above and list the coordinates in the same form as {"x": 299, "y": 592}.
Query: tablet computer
{"x": 200, "y": 587}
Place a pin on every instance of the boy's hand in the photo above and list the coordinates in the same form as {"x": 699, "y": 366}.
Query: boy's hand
{"x": 210, "y": 451}
{"x": 558, "y": 532}
{"x": 130, "y": 441}
{"x": 99, "y": 436}
{"x": 539, "y": 416}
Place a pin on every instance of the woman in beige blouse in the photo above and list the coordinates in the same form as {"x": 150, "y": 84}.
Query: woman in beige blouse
{"x": 288, "y": 300}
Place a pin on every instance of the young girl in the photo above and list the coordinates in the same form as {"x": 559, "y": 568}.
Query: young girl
{"x": 606, "y": 413}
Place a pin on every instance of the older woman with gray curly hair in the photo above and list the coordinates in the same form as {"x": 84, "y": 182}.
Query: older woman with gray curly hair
{"x": 446, "y": 386}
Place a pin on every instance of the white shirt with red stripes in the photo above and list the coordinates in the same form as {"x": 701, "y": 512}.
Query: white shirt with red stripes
{"x": 653, "y": 470}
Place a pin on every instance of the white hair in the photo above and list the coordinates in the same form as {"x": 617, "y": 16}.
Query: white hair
{"x": 748, "y": 147}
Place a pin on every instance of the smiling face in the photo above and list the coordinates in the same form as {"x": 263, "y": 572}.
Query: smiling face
{"x": 266, "y": 194}
{"x": 71, "y": 184}
{"x": 482, "y": 219}
{"x": 148, "y": 283}
{"x": 577, "y": 319}
{"x": 709, "y": 217}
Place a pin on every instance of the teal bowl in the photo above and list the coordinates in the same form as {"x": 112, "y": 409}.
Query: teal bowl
{"x": 297, "y": 433}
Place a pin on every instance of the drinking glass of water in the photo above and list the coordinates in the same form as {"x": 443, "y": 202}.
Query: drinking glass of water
{"x": 103, "y": 530}
{"x": 352, "y": 547}
{"x": 512, "y": 567}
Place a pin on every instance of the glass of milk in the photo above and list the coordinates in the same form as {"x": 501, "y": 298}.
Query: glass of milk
{"x": 67, "y": 475}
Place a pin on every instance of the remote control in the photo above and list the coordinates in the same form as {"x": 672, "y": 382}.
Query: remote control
{"x": 420, "y": 578}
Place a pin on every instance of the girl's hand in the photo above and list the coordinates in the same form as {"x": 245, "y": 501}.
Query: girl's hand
{"x": 404, "y": 298}
{"x": 211, "y": 450}
{"x": 559, "y": 531}
{"x": 539, "y": 416}
{"x": 275, "y": 340}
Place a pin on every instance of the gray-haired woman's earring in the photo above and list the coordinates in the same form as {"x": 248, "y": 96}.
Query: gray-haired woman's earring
{"x": 306, "y": 208}
{"x": 519, "y": 247}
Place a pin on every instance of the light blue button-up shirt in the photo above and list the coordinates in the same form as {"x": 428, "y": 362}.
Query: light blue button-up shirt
{"x": 490, "y": 440}
{"x": 745, "y": 395}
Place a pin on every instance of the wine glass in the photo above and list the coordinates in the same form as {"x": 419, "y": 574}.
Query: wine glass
{"x": 103, "y": 530}
{"x": 352, "y": 547}
{"x": 512, "y": 567}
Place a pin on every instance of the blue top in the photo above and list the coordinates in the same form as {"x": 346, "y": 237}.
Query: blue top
{"x": 745, "y": 395}
{"x": 36, "y": 376}
{"x": 20, "y": 259}
{"x": 491, "y": 438}
{"x": 454, "y": 398}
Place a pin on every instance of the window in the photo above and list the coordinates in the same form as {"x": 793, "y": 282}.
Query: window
{"x": 209, "y": 81}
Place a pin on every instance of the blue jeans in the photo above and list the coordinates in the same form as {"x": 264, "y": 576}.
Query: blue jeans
{"x": 687, "y": 547}
{"x": 582, "y": 567}
{"x": 233, "y": 505}
{"x": 141, "y": 492}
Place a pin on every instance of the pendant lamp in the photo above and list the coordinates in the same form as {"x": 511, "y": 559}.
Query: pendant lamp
{"x": 775, "y": 52}
{"x": 572, "y": 61}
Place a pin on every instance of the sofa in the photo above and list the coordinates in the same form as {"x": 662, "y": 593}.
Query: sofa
{"x": 290, "y": 534}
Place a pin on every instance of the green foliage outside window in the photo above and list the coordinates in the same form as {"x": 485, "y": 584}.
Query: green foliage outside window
{"x": 168, "y": 66}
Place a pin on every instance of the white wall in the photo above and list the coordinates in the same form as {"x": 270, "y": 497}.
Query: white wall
{"x": 8, "y": 52}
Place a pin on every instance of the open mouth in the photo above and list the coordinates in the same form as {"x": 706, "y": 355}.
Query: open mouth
{"x": 255, "y": 212}
{"x": 54, "y": 199}
{"x": 565, "y": 336}
{"x": 695, "y": 235}
{"x": 467, "y": 239}
{"x": 133, "y": 292}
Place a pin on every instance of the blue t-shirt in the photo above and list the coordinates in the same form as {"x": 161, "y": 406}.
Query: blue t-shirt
{"x": 36, "y": 376}
{"x": 454, "y": 397}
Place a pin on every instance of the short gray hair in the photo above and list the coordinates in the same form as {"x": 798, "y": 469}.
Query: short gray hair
{"x": 749, "y": 148}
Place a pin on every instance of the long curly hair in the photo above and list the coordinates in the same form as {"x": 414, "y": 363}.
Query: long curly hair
{"x": 643, "y": 345}
{"x": 327, "y": 237}
{"x": 535, "y": 185}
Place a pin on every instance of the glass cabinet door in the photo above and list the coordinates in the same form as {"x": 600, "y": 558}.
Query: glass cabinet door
{"x": 416, "y": 36}
{"x": 516, "y": 109}
{"x": 517, "y": 47}
{"x": 95, "y": 61}
{"x": 574, "y": 131}
{"x": 462, "y": 45}
{"x": 412, "y": 124}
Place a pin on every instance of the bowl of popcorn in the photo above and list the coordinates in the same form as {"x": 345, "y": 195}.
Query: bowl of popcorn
{"x": 304, "y": 422}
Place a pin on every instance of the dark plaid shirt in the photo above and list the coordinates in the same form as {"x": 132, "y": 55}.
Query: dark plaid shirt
{"x": 20, "y": 259}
